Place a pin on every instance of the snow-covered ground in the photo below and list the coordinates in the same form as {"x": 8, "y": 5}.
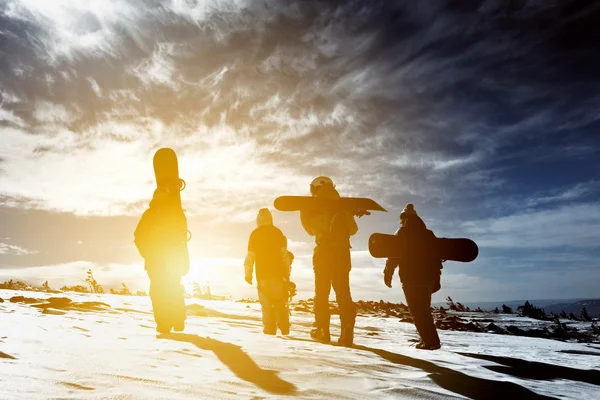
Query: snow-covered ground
{"x": 116, "y": 354}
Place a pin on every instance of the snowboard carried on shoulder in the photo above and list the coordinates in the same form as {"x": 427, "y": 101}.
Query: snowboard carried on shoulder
{"x": 382, "y": 245}
{"x": 306, "y": 203}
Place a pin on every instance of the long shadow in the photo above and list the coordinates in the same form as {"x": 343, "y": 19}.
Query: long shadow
{"x": 210, "y": 313}
{"x": 455, "y": 381}
{"x": 537, "y": 370}
{"x": 240, "y": 363}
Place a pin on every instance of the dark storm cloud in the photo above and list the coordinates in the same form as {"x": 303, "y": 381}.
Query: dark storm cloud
{"x": 419, "y": 96}
{"x": 443, "y": 80}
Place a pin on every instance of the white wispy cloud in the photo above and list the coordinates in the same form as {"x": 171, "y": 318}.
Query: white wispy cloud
{"x": 570, "y": 193}
{"x": 575, "y": 225}
{"x": 12, "y": 249}
{"x": 160, "y": 68}
{"x": 46, "y": 112}
{"x": 72, "y": 29}
{"x": 9, "y": 116}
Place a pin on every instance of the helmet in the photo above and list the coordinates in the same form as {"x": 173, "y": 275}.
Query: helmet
{"x": 319, "y": 182}
{"x": 408, "y": 211}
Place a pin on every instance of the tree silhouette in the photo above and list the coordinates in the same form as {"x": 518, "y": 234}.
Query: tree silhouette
{"x": 124, "y": 290}
{"x": 451, "y": 304}
{"x": 585, "y": 316}
{"x": 531, "y": 311}
{"x": 572, "y": 316}
{"x": 201, "y": 291}
{"x": 91, "y": 281}
{"x": 77, "y": 288}
{"x": 14, "y": 285}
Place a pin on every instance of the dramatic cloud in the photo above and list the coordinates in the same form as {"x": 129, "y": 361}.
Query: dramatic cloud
{"x": 483, "y": 114}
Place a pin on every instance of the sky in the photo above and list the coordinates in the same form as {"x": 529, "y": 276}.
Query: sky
{"x": 484, "y": 114}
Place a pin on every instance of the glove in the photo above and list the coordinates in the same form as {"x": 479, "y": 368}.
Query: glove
{"x": 387, "y": 277}
{"x": 292, "y": 289}
{"x": 249, "y": 279}
{"x": 360, "y": 213}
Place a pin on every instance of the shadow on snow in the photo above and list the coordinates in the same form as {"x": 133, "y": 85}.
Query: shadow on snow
{"x": 240, "y": 363}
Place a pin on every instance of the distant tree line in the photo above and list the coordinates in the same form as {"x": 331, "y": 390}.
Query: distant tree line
{"x": 92, "y": 286}
{"x": 199, "y": 291}
{"x": 14, "y": 285}
{"x": 526, "y": 310}
{"x": 531, "y": 311}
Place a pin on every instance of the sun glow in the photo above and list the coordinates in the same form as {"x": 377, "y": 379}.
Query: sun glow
{"x": 216, "y": 273}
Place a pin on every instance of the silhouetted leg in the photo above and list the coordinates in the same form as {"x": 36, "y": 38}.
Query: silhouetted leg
{"x": 322, "y": 262}
{"x": 418, "y": 298}
{"x": 321, "y": 301}
{"x": 278, "y": 296}
{"x": 268, "y": 310}
{"x": 159, "y": 294}
{"x": 179, "y": 314}
{"x": 341, "y": 286}
{"x": 283, "y": 318}
{"x": 282, "y": 310}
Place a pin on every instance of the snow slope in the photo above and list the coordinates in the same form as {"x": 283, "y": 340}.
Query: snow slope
{"x": 116, "y": 354}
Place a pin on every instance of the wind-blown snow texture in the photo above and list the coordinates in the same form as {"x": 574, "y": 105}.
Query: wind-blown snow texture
{"x": 116, "y": 354}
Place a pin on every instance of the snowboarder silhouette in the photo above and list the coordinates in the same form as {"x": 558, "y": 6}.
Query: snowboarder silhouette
{"x": 331, "y": 261}
{"x": 420, "y": 276}
{"x": 161, "y": 239}
{"x": 267, "y": 249}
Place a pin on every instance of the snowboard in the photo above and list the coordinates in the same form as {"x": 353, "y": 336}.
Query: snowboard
{"x": 451, "y": 249}
{"x": 305, "y": 203}
{"x": 166, "y": 170}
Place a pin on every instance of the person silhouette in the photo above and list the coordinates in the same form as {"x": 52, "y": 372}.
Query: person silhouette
{"x": 267, "y": 249}
{"x": 420, "y": 272}
{"x": 331, "y": 261}
{"x": 161, "y": 239}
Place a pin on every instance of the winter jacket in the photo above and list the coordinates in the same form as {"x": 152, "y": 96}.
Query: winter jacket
{"x": 267, "y": 249}
{"x": 329, "y": 227}
{"x": 419, "y": 264}
{"x": 161, "y": 236}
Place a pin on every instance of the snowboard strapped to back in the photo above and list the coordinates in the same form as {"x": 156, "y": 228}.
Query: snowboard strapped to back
{"x": 382, "y": 245}
{"x": 166, "y": 172}
{"x": 305, "y": 203}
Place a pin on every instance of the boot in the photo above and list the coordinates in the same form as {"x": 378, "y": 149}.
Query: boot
{"x": 428, "y": 346}
{"x": 270, "y": 331}
{"x": 179, "y": 326}
{"x": 321, "y": 334}
{"x": 163, "y": 328}
{"x": 347, "y": 336}
{"x": 285, "y": 330}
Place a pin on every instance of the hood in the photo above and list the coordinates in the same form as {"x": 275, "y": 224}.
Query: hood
{"x": 264, "y": 217}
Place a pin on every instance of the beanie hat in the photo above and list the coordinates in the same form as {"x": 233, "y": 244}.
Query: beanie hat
{"x": 408, "y": 211}
{"x": 264, "y": 217}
